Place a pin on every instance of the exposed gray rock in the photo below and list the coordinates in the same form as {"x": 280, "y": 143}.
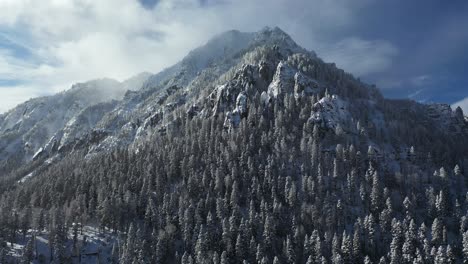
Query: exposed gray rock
{"x": 241, "y": 104}
{"x": 288, "y": 80}
{"x": 305, "y": 86}
{"x": 283, "y": 80}
{"x": 330, "y": 112}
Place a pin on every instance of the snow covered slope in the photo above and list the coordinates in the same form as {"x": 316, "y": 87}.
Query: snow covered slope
{"x": 29, "y": 128}
{"x": 224, "y": 77}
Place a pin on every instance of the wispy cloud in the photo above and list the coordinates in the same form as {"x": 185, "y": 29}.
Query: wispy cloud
{"x": 416, "y": 93}
{"x": 421, "y": 80}
{"x": 360, "y": 56}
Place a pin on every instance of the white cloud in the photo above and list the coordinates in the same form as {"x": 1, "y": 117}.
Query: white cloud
{"x": 67, "y": 41}
{"x": 360, "y": 56}
{"x": 11, "y": 96}
{"x": 463, "y": 104}
{"x": 416, "y": 93}
{"x": 421, "y": 80}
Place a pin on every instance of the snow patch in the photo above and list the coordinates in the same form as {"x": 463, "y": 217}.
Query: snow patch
{"x": 38, "y": 153}
{"x": 25, "y": 178}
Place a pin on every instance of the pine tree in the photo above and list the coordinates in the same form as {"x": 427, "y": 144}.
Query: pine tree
{"x": 437, "y": 232}
{"x": 307, "y": 250}
{"x": 241, "y": 248}
{"x": 185, "y": 258}
{"x": 346, "y": 248}
{"x": 440, "y": 257}
{"x": 441, "y": 204}
{"x": 26, "y": 221}
{"x": 59, "y": 249}
{"x": 161, "y": 250}
{"x": 376, "y": 192}
{"x": 418, "y": 258}
{"x": 28, "y": 252}
{"x": 357, "y": 257}
{"x": 367, "y": 260}
{"x": 450, "y": 254}
{"x": 40, "y": 222}
{"x": 290, "y": 251}
{"x": 276, "y": 260}
{"x": 129, "y": 251}
{"x": 408, "y": 248}
{"x": 216, "y": 258}
{"x": 465, "y": 245}
{"x": 201, "y": 245}
{"x": 395, "y": 247}
{"x": 115, "y": 253}
{"x": 224, "y": 258}
{"x": 369, "y": 227}
{"x": 3, "y": 255}
{"x": 259, "y": 254}
{"x": 268, "y": 233}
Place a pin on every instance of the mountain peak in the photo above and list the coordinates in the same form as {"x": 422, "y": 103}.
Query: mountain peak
{"x": 224, "y": 49}
{"x": 229, "y": 43}
{"x": 276, "y": 36}
{"x": 273, "y": 31}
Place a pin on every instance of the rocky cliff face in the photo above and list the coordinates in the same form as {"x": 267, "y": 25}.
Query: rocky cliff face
{"x": 38, "y": 124}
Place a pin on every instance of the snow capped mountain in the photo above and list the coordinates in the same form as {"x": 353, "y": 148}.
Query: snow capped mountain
{"x": 219, "y": 48}
{"x": 223, "y": 77}
{"x": 251, "y": 141}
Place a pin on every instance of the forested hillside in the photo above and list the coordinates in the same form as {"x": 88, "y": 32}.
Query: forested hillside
{"x": 267, "y": 155}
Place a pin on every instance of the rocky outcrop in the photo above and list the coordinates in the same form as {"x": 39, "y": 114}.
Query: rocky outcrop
{"x": 446, "y": 118}
{"x": 288, "y": 80}
{"x": 193, "y": 111}
{"x": 305, "y": 86}
{"x": 233, "y": 94}
{"x": 283, "y": 80}
{"x": 233, "y": 118}
{"x": 26, "y": 129}
{"x": 241, "y": 104}
{"x": 86, "y": 120}
{"x": 330, "y": 112}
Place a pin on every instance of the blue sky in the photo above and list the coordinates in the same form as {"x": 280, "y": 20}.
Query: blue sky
{"x": 410, "y": 49}
{"x": 431, "y": 37}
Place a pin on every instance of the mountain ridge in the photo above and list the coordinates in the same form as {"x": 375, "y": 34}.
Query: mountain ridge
{"x": 223, "y": 56}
